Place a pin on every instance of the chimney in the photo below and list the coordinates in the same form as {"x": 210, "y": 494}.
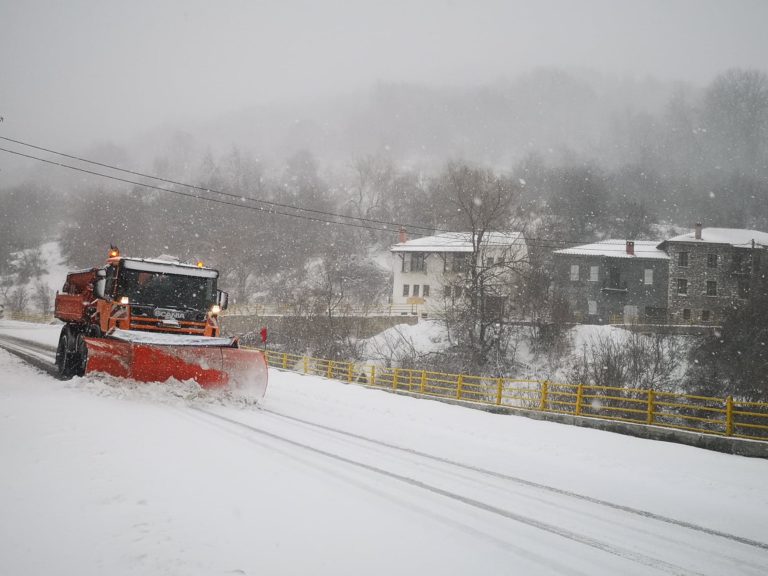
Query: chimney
{"x": 630, "y": 247}
{"x": 697, "y": 231}
{"x": 403, "y": 236}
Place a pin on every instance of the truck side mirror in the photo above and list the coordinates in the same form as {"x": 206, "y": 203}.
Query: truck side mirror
{"x": 101, "y": 282}
{"x": 222, "y": 299}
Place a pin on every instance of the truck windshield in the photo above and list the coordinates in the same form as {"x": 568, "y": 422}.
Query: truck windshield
{"x": 167, "y": 290}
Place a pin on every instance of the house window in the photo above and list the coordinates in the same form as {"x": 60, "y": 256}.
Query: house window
{"x": 648, "y": 276}
{"x": 711, "y": 288}
{"x": 592, "y": 304}
{"x": 686, "y": 313}
{"x": 711, "y": 261}
{"x": 682, "y": 286}
{"x": 405, "y": 289}
{"x": 593, "y": 273}
{"x": 682, "y": 259}
{"x": 425, "y": 290}
{"x": 614, "y": 279}
{"x": 415, "y": 289}
{"x": 418, "y": 264}
{"x": 744, "y": 288}
{"x": 705, "y": 315}
{"x": 459, "y": 262}
{"x": 574, "y": 272}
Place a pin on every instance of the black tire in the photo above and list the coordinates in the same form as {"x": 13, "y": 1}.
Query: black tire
{"x": 80, "y": 357}
{"x": 64, "y": 354}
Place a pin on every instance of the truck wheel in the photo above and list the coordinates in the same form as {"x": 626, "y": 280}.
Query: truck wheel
{"x": 64, "y": 353}
{"x": 80, "y": 358}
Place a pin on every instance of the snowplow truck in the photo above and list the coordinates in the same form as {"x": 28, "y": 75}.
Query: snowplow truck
{"x": 152, "y": 320}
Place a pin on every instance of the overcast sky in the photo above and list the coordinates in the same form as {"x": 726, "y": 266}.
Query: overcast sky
{"x": 73, "y": 71}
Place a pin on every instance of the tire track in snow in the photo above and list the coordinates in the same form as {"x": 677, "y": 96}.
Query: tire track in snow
{"x": 38, "y": 355}
{"x": 618, "y": 551}
{"x": 41, "y": 356}
{"x": 531, "y": 484}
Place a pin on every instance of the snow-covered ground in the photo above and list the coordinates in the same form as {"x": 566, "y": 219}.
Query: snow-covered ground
{"x": 47, "y": 334}
{"x": 101, "y": 477}
{"x": 410, "y": 341}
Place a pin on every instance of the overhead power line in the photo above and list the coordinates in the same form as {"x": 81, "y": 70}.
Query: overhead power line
{"x": 268, "y": 206}
{"x": 188, "y": 195}
{"x": 213, "y": 190}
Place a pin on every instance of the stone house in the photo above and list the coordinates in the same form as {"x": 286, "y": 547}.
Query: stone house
{"x": 614, "y": 281}
{"x": 712, "y": 270}
{"x": 431, "y": 272}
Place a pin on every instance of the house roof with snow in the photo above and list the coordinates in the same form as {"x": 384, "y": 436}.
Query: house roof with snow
{"x": 616, "y": 248}
{"x": 737, "y": 237}
{"x": 459, "y": 242}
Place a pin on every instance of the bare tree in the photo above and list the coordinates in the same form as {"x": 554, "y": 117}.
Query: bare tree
{"x": 736, "y": 114}
{"x": 484, "y": 203}
{"x": 637, "y": 361}
{"x": 42, "y": 297}
{"x": 17, "y": 299}
{"x": 373, "y": 180}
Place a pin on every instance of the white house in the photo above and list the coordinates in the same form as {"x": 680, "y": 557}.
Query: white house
{"x": 431, "y": 271}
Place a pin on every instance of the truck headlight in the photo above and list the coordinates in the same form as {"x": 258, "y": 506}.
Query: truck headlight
{"x": 215, "y": 309}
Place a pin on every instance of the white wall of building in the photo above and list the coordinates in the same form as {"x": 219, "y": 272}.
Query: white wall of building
{"x": 437, "y": 273}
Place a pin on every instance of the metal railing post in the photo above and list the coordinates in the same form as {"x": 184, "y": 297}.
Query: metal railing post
{"x": 285, "y": 360}
{"x": 544, "y": 394}
{"x": 423, "y": 383}
{"x": 349, "y": 372}
{"x": 394, "y": 378}
{"x": 373, "y": 375}
{"x": 330, "y": 369}
{"x": 306, "y": 364}
{"x": 729, "y": 416}
{"x": 651, "y": 407}
{"x": 579, "y": 398}
{"x": 459, "y": 386}
{"x": 499, "y": 388}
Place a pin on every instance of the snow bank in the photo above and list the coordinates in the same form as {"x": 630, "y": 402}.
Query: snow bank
{"x": 404, "y": 340}
{"x": 47, "y": 334}
{"x": 107, "y": 477}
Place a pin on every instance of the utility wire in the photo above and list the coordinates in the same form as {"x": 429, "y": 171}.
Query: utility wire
{"x": 214, "y": 191}
{"x": 387, "y": 226}
{"x": 195, "y": 196}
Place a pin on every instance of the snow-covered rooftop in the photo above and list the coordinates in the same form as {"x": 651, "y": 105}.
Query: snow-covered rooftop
{"x": 168, "y": 267}
{"x": 616, "y": 248}
{"x": 458, "y": 242}
{"x": 732, "y": 236}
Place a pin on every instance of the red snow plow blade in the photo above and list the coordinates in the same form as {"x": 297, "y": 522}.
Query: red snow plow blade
{"x": 211, "y": 362}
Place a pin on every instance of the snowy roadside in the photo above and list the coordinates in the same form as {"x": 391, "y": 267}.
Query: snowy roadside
{"x": 47, "y": 334}
{"x": 125, "y": 478}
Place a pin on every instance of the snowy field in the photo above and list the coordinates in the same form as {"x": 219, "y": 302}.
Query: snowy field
{"x": 99, "y": 476}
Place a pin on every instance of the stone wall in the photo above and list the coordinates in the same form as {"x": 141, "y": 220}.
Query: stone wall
{"x": 279, "y": 326}
{"x": 705, "y": 262}
{"x": 610, "y": 302}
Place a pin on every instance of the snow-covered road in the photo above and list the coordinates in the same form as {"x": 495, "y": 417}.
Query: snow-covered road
{"x": 105, "y": 477}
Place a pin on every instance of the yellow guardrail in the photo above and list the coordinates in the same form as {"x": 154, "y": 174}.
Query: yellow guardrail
{"x": 710, "y": 415}
{"x": 27, "y": 317}
{"x": 706, "y": 414}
